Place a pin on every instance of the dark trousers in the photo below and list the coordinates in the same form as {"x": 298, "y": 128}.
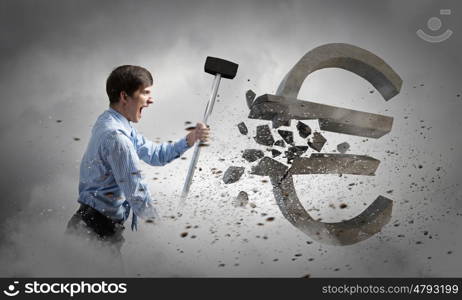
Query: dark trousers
{"x": 89, "y": 222}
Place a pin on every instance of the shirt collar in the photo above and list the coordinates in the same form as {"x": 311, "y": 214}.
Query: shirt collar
{"x": 125, "y": 122}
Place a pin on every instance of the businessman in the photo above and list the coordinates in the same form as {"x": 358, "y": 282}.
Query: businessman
{"x": 111, "y": 182}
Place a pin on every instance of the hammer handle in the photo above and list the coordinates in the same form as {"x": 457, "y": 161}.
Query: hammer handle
{"x": 195, "y": 157}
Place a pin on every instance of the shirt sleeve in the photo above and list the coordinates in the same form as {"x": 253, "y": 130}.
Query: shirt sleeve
{"x": 123, "y": 159}
{"x": 159, "y": 154}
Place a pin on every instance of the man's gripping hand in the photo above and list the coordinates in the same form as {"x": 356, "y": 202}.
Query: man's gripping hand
{"x": 200, "y": 133}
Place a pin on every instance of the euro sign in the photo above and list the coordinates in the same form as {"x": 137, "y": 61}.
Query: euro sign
{"x": 284, "y": 106}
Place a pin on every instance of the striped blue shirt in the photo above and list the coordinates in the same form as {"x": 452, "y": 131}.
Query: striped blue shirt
{"x": 111, "y": 180}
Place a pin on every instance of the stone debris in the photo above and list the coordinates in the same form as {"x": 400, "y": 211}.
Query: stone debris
{"x": 317, "y": 141}
{"x": 233, "y": 174}
{"x": 275, "y": 153}
{"x": 264, "y": 136}
{"x": 269, "y": 167}
{"x": 303, "y": 129}
{"x": 343, "y": 147}
{"x": 287, "y": 136}
{"x": 249, "y": 97}
{"x": 241, "y": 200}
{"x": 252, "y": 155}
{"x": 242, "y": 128}
{"x": 280, "y": 143}
{"x": 294, "y": 152}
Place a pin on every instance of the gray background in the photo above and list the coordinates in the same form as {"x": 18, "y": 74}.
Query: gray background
{"x": 55, "y": 57}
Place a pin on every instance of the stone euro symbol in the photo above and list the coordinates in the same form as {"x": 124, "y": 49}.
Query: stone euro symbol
{"x": 284, "y": 106}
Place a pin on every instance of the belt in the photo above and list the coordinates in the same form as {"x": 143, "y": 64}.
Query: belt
{"x": 101, "y": 224}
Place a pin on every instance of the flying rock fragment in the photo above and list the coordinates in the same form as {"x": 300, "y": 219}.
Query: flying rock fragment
{"x": 241, "y": 200}
{"x": 294, "y": 152}
{"x": 317, "y": 141}
{"x": 343, "y": 147}
{"x": 252, "y": 155}
{"x": 249, "y": 97}
{"x": 242, "y": 128}
{"x": 269, "y": 167}
{"x": 303, "y": 129}
{"x": 280, "y": 143}
{"x": 233, "y": 174}
{"x": 287, "y": 136}
{"x": 275, "y": 152}
{"x": 264, "y": 136}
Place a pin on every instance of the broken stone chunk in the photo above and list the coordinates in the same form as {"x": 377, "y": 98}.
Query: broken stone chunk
{"x": 317, "y": 141}
{"x": 242, "y": 128}
{"x": 343, "y": 147}
{"x": 269, "y": 167}
{"x": 330, "y": 118}
{"x": 280, "y": 143}
{"x": 303, "y": 129}
{"x": 294, "y": 152}
{"x": 252, "y": 155}
{"x": 241, "y": 200}
{"x": 319, "y": 163}
{"x": 288, "y": 136}
{"x": 264, "y": 136}
{"x": 275, "y": 152}
{"x": 233, "y": 174}
{"x": 249, "y": 97}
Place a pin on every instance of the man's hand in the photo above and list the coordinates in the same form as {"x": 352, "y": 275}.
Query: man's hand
{"x": 200, "y": 132}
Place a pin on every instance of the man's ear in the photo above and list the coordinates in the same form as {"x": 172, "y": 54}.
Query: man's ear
{"x": 123, "y": 96}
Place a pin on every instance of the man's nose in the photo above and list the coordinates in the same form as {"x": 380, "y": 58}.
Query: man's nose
{"x": 150, "y": 100}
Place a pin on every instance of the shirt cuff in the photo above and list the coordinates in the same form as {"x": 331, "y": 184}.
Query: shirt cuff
{"x": 181, "y": 146}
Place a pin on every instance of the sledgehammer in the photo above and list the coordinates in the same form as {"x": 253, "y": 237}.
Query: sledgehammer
{"x": 221, "y": 69}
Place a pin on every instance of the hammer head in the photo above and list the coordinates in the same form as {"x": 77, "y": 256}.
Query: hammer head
{"x": 226, "y": 69}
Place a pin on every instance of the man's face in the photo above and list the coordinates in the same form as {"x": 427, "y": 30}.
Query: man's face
{"x": 137, "y": 102}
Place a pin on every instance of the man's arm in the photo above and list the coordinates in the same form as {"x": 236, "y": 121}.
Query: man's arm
{"x": 159, "y": 155}
{"x": 123, "y": 159}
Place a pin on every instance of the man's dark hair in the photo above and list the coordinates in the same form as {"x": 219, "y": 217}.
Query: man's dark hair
{"x": 126, "y": 78}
